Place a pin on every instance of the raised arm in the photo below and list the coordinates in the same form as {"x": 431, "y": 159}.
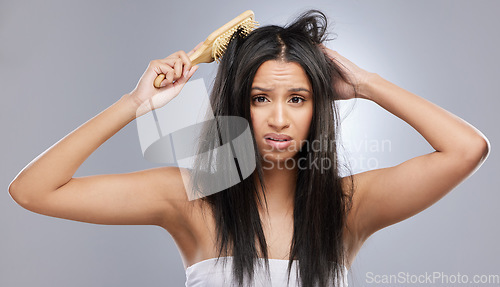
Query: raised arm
{"x": 47, "y": 186}
{"x": 386, "y": 196}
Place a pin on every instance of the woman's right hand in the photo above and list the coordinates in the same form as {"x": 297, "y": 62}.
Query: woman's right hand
{"x": 349, "y": 79}
{"x": 178, "y": 70}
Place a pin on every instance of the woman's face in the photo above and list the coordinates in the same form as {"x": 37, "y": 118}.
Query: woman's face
{"x": 281, "y": 109}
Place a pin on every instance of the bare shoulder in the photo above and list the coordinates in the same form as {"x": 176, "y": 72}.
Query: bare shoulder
{"x": 173, "y": 182}
{"x": 155, "y": 196}
{"x": 190, "y": 221}
{"x": 182, "y": 218}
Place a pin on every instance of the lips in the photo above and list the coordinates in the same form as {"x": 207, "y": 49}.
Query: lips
{"x": 278, "y": 142}
{"x": 277, "y": 137}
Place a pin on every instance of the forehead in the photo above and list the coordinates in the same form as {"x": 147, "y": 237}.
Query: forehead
{"x": 275, "y": 73}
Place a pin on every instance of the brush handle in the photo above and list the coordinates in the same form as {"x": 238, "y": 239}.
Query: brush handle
{"x": 201, "y": 55}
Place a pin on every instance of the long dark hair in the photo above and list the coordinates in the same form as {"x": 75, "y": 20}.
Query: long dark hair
{"x": 320, "y": 204}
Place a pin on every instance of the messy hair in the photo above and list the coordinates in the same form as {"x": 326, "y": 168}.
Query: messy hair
{"x": 321, "y": 202}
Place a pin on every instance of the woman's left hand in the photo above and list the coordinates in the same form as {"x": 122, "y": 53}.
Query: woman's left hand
{"x": 350, "y": 79}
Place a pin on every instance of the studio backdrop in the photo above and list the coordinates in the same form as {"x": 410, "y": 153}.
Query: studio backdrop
{"x": 63, "y": 62}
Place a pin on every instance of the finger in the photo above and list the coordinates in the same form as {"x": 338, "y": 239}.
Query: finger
{"x": 168, "y": 80}
{"x": 186, "y": 61}
{"x": 187, "y": 76}
{"x": 183, "y": 57}
{"x": 164, "y": 83}
{"x": 177, "y": 69}
{"x": 155, "y": 68}
{"x": 324, "y": 49}
{"x": 170, "y": 76}
{"x": 192, "y": 71}
{"x": 171, "y": 68}
{"x": 329, "y": 52}
{"x": 162, "y": 66}
{"x": 170, "y": 61}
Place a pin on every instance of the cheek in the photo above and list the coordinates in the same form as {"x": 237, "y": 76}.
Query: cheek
{"x": 306, "y": 120}
{"x": 310, "y": 116}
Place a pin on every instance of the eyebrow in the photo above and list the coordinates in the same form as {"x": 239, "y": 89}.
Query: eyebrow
{"x": 290, "y": 90}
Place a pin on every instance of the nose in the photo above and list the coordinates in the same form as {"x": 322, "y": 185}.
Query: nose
{"x": 278, "y": 118}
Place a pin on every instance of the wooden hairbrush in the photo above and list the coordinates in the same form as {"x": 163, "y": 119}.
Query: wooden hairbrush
{"x": 216, "y": 43}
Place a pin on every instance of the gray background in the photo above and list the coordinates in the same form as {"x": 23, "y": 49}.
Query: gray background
{"x": 63, "y": 62}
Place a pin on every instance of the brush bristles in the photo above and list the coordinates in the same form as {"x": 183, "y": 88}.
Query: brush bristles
{"x": 220, "y": 45}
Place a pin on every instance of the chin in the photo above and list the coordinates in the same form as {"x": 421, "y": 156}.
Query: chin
{"x": 279, "y": 158}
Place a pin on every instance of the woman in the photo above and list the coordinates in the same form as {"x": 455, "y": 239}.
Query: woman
{"x": 302, "y": 217}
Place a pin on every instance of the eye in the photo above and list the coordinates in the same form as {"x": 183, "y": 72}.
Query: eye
{"x": 297, "y": 100}
{"x": 259, "y": 99}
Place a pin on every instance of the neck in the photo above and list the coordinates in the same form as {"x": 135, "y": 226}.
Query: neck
{"x": 280, "y": 189}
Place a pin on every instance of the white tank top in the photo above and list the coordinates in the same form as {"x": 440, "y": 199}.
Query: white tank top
{"x": 208, "y": 274}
